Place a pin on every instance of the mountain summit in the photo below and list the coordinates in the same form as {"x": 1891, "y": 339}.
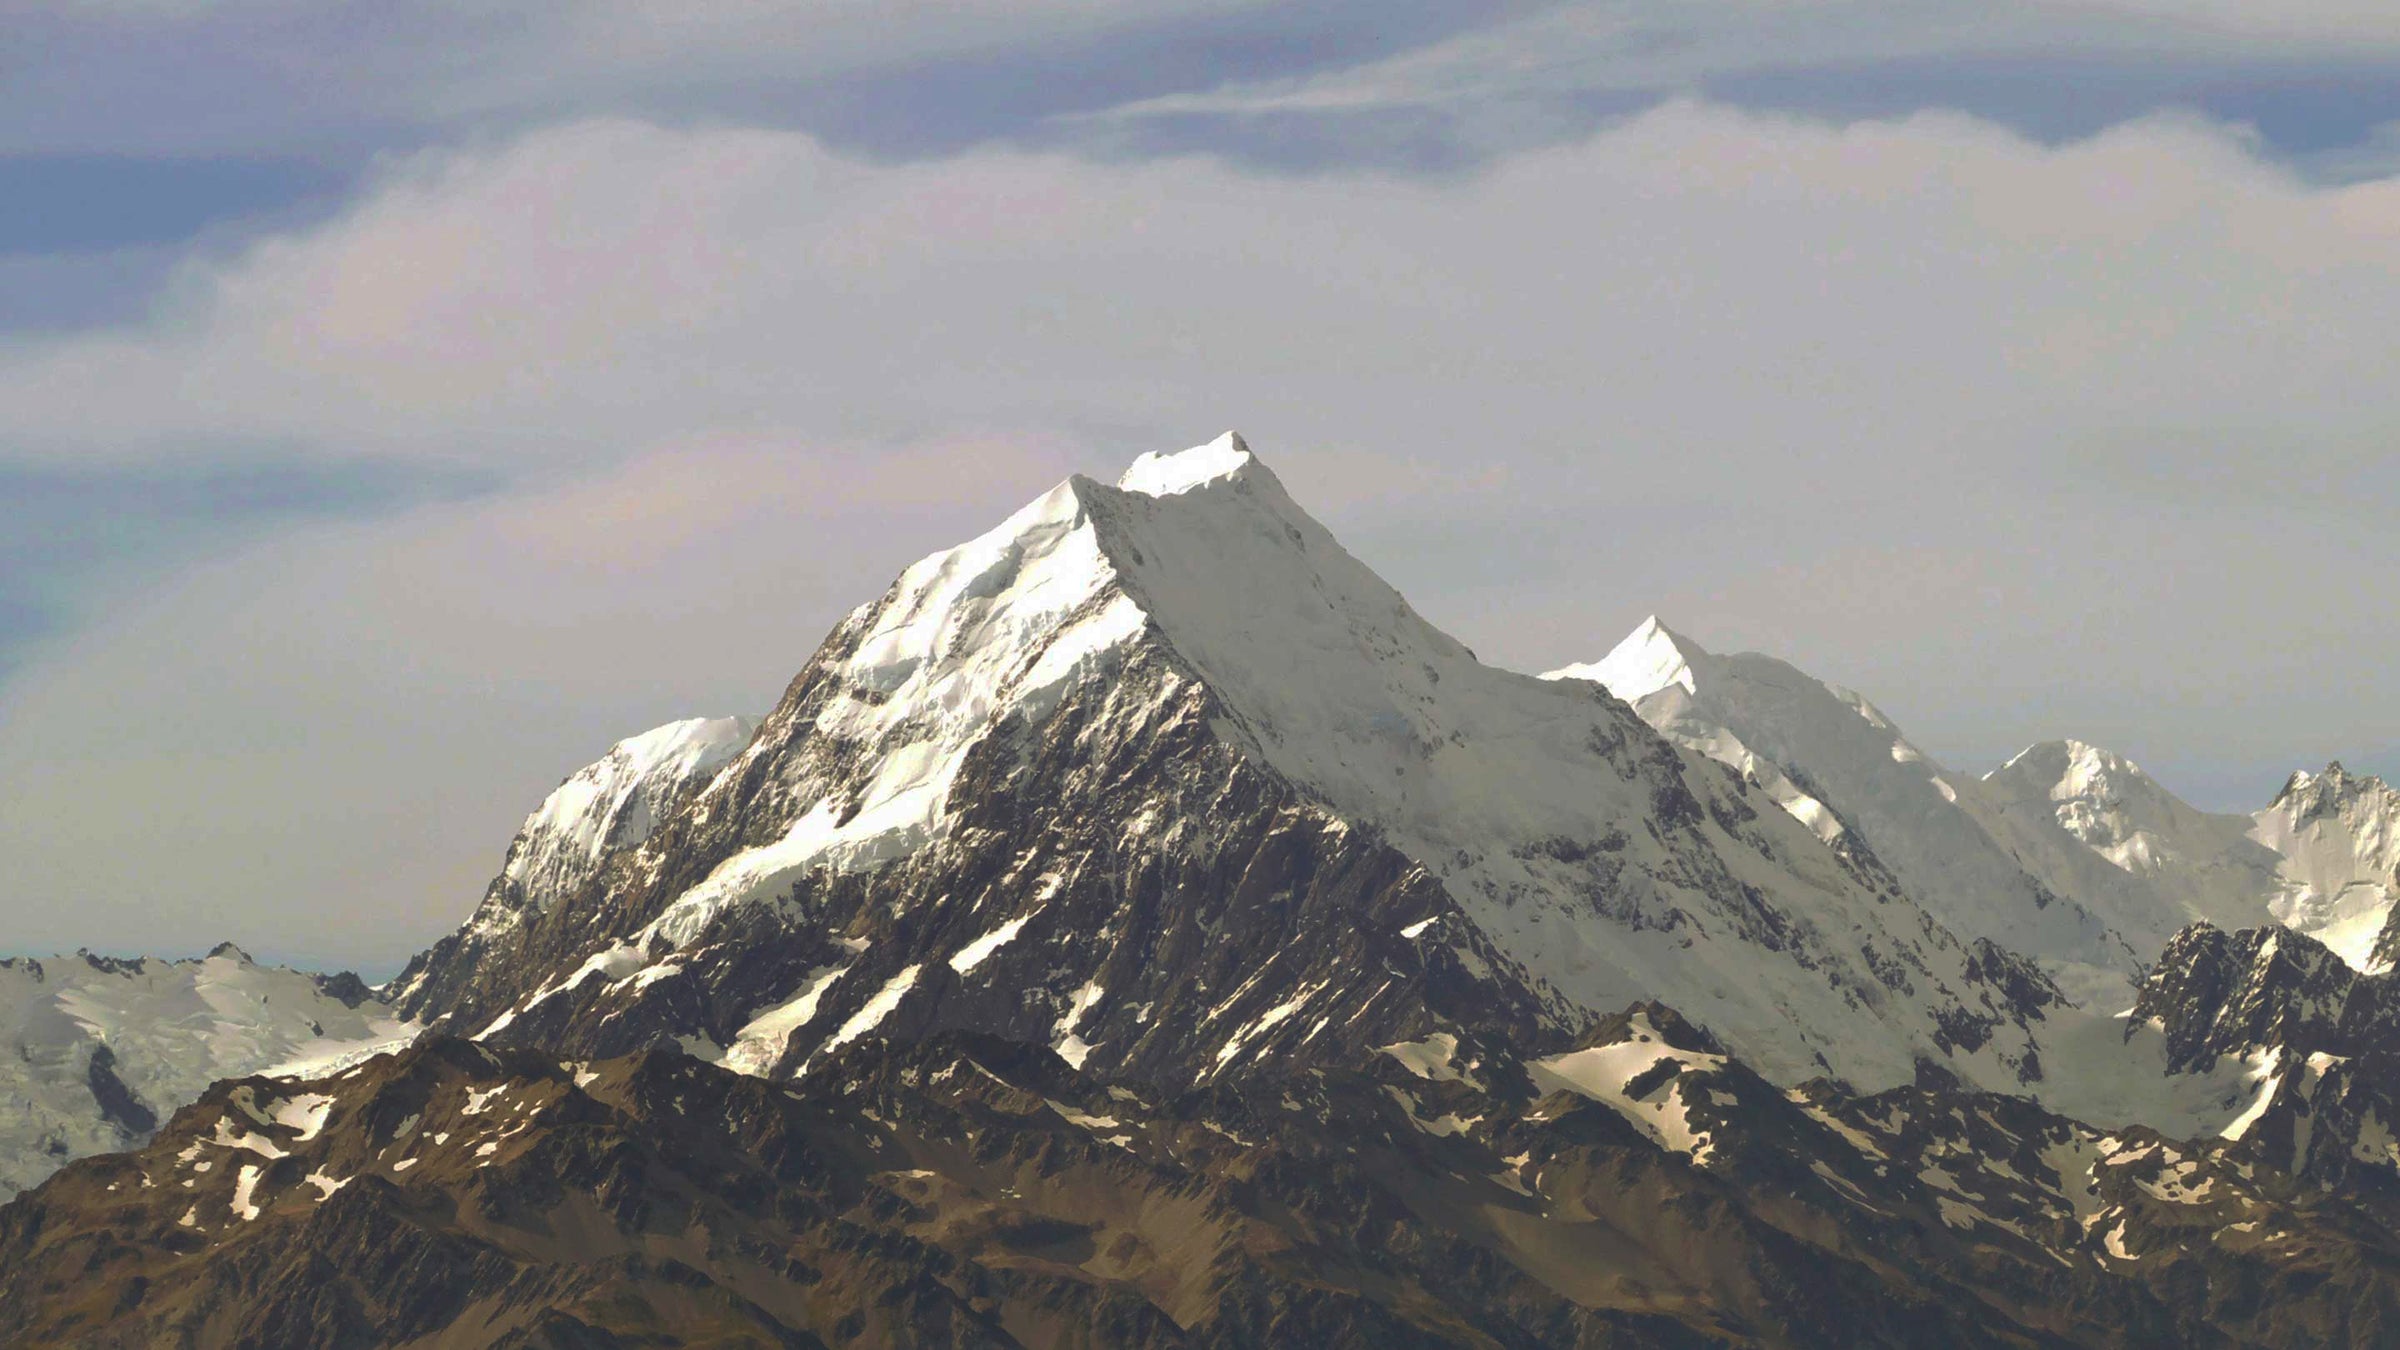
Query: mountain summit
{"x": 1160, "y": 774}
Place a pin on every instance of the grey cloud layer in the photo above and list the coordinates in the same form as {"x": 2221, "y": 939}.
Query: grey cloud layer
{"x": 1392, "y": 81}
{"x": 2022, "y": 440}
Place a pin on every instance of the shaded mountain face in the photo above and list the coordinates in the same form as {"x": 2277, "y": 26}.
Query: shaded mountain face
{"x": 1638, "y": 1188}
{"x": 95, "y": 1051}
{"x": 1160, "y": 776}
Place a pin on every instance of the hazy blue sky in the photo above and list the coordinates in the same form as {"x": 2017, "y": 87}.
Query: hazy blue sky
{"x": 399, "y": 402}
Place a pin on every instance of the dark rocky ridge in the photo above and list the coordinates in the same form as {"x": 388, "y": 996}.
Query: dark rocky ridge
{"x": 967, "y": 1191}
{"x": 2324, "y": 1038}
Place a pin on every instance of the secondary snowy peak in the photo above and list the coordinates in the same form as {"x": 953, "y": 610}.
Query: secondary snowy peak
{"x": 599, "y": 812}
{"x": 982, "y": 779}
{"x": 2108, "y": 802}
{"x": 1650, "y": 659}
{"x": 2320, "y": 859}
{"x": 99, "y": 1050}
{"x": 2338, "y": 835}
{"x": 1839, "y": 766}
{"x": 1652, "y": 669}
{"x": 1164, "y": 474}
{"x": 614, "y": 802}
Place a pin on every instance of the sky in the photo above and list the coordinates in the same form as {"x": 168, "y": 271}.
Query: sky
{"x": 400, "y": 402}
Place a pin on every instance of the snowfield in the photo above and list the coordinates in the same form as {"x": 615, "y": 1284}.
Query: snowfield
{"x": 104, "y": 1050}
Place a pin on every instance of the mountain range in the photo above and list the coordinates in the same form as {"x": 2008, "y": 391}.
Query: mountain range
{"x": 1138, "y": 926}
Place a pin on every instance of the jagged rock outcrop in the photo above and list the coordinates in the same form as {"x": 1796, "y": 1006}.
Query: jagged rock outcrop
{"x": 2321, "y": 1043}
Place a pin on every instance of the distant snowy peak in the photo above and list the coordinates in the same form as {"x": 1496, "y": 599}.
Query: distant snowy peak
{"x": 1839, "y": 765}
{"x": 1651, "y": 658}
{"x": 2320, "y": 860}
{"x": 99, "y": 1050}
{"x": 2108, "y": 802}
{"x": 1654, "y": 669}
{"x": 2338, "y": 835}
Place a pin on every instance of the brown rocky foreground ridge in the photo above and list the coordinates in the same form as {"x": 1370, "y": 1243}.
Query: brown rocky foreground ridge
{"x": 1642, "y": 1189}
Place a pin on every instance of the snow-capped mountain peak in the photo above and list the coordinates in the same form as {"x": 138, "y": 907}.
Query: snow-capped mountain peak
{"x": 1194, "y": 631}
{"x": 2321, "y": 859}
{"x": 600, "y": 811}
{"x": 1651, "y": 658}
{"x": 2338, "y": 834}
{"x": 1166, "y": 473}
{"x": 2108, "y": 802}
{"x": 614, "y": 801}
{"x": 2194, "y": 865}
{"x": 1836, "y": 763}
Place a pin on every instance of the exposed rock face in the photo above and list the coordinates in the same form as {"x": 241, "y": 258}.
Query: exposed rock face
{"x": 94, "y": 1050}
{"x": 2322, "y": 1043}
{"x": 1638, "y": 1188}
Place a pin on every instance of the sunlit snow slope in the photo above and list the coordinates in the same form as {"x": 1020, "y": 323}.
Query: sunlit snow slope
{"x": 1838, "y": 765}
{"x": 603, "y": 808}
{"x": 2320, "y": 859}
{"x": 99, "y": 1051}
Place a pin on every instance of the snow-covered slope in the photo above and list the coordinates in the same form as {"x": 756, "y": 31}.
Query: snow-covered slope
{"x": 603, "y": 808}
{"x": 1007, "y": 790}
{"x": 1488, "y": 778}
{"x": 2068, "y": 852}
{"x": 1838, "y": 765}
{"x": 614, "y": 802}
{"x": 99, "y": 1051}
{"x": 2338, "y": 836}
{"x": 2320, "y": 859}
